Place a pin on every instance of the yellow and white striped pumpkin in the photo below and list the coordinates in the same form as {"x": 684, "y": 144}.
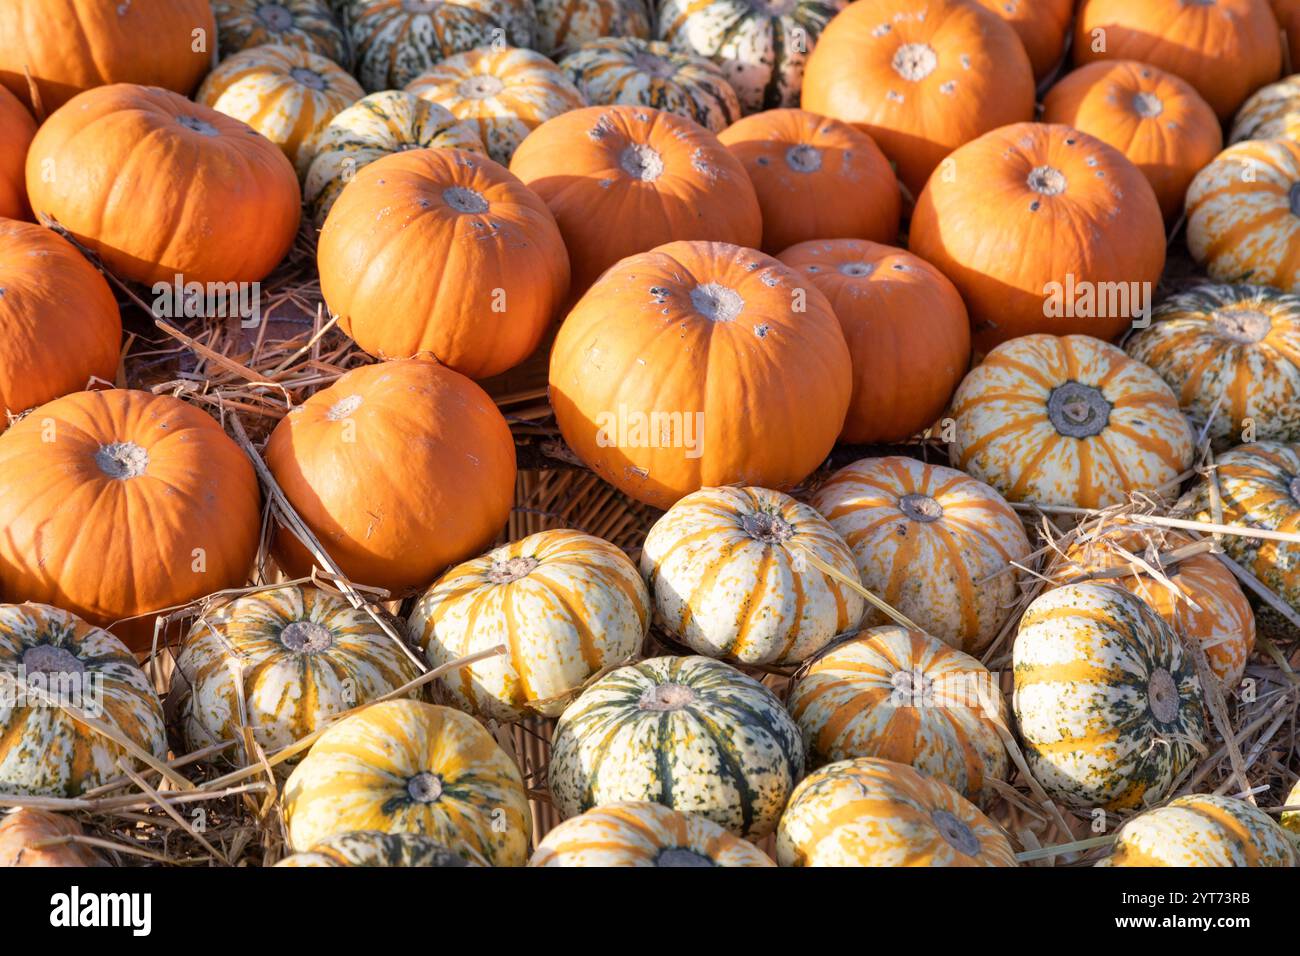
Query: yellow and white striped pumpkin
{"x": 287, "y": 94}
{"x": 1108, "y": 702}
{"x": 566, "y": 604}
{"x": 1290, "y": 820}
{"x": 281, "y": 663}
{"x": 634, "y": 72}
{"x": 729, "y": 577}
{"x": 690, "y": 733}
{"x": 1068, "y": 420}
{"x": 1272, "y": 112}
{"x": 904, "y": 696}
{"x": 870, "y": 812}
{"x": 374, "y": 127}
{"x": 506, "y": 92}
{"x": 403, "y": 766}
{"x": 1202, "y": 829}
{"x": 928, "y": 540}
{"x": 1243, "y": 215}
{"x": 373, "y": 848}
{"x": 43, "y": 750}
{"x": 563, "y": 25}
{"x": 306, "y": 24}
{"x": 644, "y": 834}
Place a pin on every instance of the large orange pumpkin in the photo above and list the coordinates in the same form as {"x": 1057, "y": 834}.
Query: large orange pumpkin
{"x": 690, "y": 366}
{"x": 400, "y": 469}
{"x": 1043, "y": 229}
{"x": 1288, "y": 17}
{"x": 1158, "y": 121}
{"x": 443, "y": 251}
{"x": 1042, "y": 26}
{"x": 624, "y": 179}
{"x": 1227, "y": 49}
{"x": 816, "y": 178}
{"x": 68, "y": 46}
{"x": 32, "y": 837}
{"x": 118, "y": 503}
{"x": 59, "y": 324}
{"x": 906, "y": 328}
{"x": 921, "y": 76}
{"x": 16, "y": 131}
{"x": 159, "y": 186}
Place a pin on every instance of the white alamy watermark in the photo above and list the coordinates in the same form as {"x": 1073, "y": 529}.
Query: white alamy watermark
{"x": 45, "y": 679}
{"x": 634, "y": 428}
{"x": 77, "y": 909}
{"x": 1074, "y": 299}
{"x": 179, "y": 299}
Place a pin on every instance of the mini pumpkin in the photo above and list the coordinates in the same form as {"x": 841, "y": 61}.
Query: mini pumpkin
{"x": 1068, "y": 420}
{"x": 305, "y": 24}
{"x": 563, "y": 25}
{"x": 33, "y": 837}
{"x": 1202, "y": 829}
{"x": 935, "y": 544}
{"x": 691, "y": 733}
{"x": 375, "y": 848}
{"x": 1107, "y": 701}
{"x": 17, "y": 128}
{"x": 1272, "y": 112}
{"x": 728, "y": 572}
{"x": 1041, "y": 25}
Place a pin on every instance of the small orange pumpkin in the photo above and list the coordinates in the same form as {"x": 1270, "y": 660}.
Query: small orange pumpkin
{"x": 16, "y": 131}
{"x": 1042, "y": 26}
{"x": 23, "y": 831}
{"x": 1288, "y": 17}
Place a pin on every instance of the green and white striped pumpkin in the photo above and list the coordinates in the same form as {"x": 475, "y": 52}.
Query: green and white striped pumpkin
{"x": 690, "y": 733}
{"x": 563, "y": 25}
{"x": 1202, "y": 829}
{"x": 376, "y": 848}
{"x": 306, "y": 24}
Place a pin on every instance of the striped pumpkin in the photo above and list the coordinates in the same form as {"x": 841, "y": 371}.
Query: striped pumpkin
{"x": 727, "y": 571}
{"x": 506, "y": 92}
{"x": 375, "y": 848}
{"x": 928, "y": 540}
{"x": 282, "y": 663}
{"x": 1068, "y": 420}
{"x": 563, "y": 25}
{"x": 633, "y": 72}
{"x": 306, "y": 24}
{"x": 1272, "y": 112}
{"x": 1202, "y": 829}
{"x": 904, "y": 696}
{"x": 565, "y": 604}
{"x": 644, "y": 834}
{"x": 372, "y": 128}
{"x": 690, "y": 733}
{"x": 1108, "y": 702}
{"x": 287, "y": 94}
{"x": 43, "y": 750}
{"x": 1291, "y": 819}
{"x": 870, "y": 812}
{"x": 403, "y": 766}
{"x": 761, "y": 47}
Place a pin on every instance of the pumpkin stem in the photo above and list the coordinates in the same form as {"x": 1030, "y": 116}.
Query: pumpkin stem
{"x": 504, "y": 572}
{"x": 915, "y": 61}
{"x": 1246, "y": 326}
{"x": 642, "y": 162}
{"x": 857, "y": 270}
{"x": 1147, "y": 105}
{"x": 343, "y": 408}
{"x": 1162, "y": 695}
{"x": 424, "y": 787}
{"x": 464, "y": 200}
{"x": 1293, "y": 486}
{"x": 920, "y": 507}
{"x": 766, "y": 527}
{"x": 804, "y": 158}
{"x": 48, "y": 659}
{"x": 481, "y": 87}
{"x": 1077, "y": 410}
{"x": 1047, "y": 180}
{"x": 717, "y": 303}
{"x": 682, "y": 856}
{"x": 202, "y": 127}
{"x": 308, "y": 78}
{"x": 1293, "y": 199}
{"x": 666, "y": 697}
{"x": 956, "y": 833}
{"x": 275, "y": 17}
{"x": 307, "y": 637}
{"x": 122, "y": 459}
{"x": 652, "y": 65}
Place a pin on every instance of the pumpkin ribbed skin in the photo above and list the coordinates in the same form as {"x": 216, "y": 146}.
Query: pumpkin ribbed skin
{"x": 566, "y": 604}
{"x": 1108, "y": 702}
{"x": 1202, "y": 829}
{"x": 373, "y": 848}
{"x": 1288, "y": 18}
{"x": 120, "y": 503}
{"x": 904, "y": 696}
{"x": 643, "y": 834}
{"x": 906, "y": 328}
{"x": 1037, "y": 208}
{"x": 305, "y": 24}
{"x": 506, "y": 93}
{"x": 563, "y": 25}
{"x": 761, "y": 47}
{"x": 286, "y": 93}
{"x": 43, "y": 750}
{"x": 928, "y": 539}
{"x": 816, "y": 178}
{"x": 727, "y": 571}
{"x": 157, "y": 186}
{"x": 380, "y": 465}
{"x": 19, "y": 128}
{"x": 23, "y": 829}
{"x": 921, "y": 76}
{"x": 1041, "y": 25}
{"x": 1291, "y": 819}
{"x": 374, "y": 127}
{"x": 1272, "y": 112}
{"x": 1068, "y": 421}
{"x": 444, "y": 252}
{"x": 1158, "y": 121}
{"x": 1230, "y": 353}
{"x": 59, "y": 323}
{"x": 403, "y": 766}
{"x": 870, "y": 812}
{"x": 691, "y": 733}
{"x": 281, "y": 663}
{"x": 701, "y": 341}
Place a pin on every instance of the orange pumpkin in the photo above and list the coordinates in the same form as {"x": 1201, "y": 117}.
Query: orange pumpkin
{"x": 119, "y": 503}
{"x": 816, "y": 178}
{"x": 1158, "y": 121}
{"x": 25, "y": 836}
{"x": 1042, "y": 26}
{"x": 158, "y": 186}
{"x": 59, "y": 324}
{"x": 906, "y": 328}
{"x": 69, "y": 46}
{"x": 1288, "y": 17}
{"x": 16, "y": 131}
{"x": 624, "y": 179}
{"x": 1043, "y": 229}
{"x": 921, "y": 76}
{"x": 400, "y": 469}
{"x": 1227, "y": 49}
{"x": 443, "y": 251}
{"x": 688, "y": 366}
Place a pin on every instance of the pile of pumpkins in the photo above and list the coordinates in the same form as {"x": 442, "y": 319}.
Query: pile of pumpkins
{"x": 705, "y": 198}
